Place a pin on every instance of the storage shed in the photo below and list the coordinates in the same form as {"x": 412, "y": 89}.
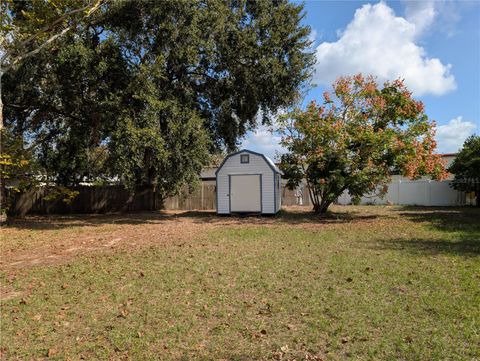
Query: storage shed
{"x": 248, "y": 182}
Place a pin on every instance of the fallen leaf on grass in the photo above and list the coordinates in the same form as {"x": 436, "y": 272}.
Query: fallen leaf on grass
{"x": 309, "y": 356}
{"x": 399, "y": 289}
{"x": 277, "y": 355}
{"x": 266, "y": 310}
{"x": 123, "y": 313}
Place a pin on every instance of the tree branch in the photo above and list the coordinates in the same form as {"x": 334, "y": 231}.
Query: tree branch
{"x": 37, "y": 50}
{"x": 49, "y": 40}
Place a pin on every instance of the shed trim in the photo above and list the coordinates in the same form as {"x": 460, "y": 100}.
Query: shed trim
{"x": 229, "y": 192}
{"x": 216, "y": 193}
{"x": 275, "y": 192}
{"x": 261, "y": 193}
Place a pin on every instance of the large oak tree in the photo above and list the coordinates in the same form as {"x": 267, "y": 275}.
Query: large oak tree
{"x": 157, "y": 86}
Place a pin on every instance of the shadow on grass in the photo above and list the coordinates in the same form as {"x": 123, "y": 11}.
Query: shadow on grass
{"x": 295, "y": 216}
{"x": 290, "y": 216}
{"x": 448, "y": 219}
{"x": 461, "y": 223}
{"x": 451, "y": 219}
{"x": 462, "y": 247}
{"x": 52, "y": 222}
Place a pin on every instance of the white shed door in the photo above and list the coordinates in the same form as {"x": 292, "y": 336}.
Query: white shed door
{"x": 245, "y": 194}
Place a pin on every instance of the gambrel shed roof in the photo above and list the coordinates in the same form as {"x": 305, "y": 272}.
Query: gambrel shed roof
{"x": 270, "y": 162}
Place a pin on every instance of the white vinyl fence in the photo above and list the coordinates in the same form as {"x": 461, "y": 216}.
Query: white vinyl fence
{"x": 417, "y": 192}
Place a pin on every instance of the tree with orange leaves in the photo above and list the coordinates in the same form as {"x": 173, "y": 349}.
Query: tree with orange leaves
{"x": 356, "y": 139}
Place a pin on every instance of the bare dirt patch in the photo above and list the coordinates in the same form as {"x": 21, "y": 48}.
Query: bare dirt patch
{"x": 46, "y": 240}
{"x": 38, "y": 240}
{"x": 7, "y": 294}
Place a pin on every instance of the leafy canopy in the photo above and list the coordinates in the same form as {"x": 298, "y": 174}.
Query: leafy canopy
{"x": 466, "y": 167}
{"x": 26, "y": 29}
{"x": 155, "y": 87}
{"x": 356, "y": 139}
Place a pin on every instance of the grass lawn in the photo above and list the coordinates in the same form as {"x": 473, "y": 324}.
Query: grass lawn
{"x": 369, "y": 283}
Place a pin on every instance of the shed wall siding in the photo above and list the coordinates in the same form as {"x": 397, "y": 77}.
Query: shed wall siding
{"x": 233, "y": 166}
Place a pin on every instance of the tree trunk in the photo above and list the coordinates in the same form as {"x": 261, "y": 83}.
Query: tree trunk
{"x": 3, "y": 203}
{"x": 129, "y": 201}
{"x": 322, "y": 207}
{"x": 1, "y": 110}
{"x": 3, "y": 188}
{"x": 477, "y": 202}
{"x": 320, "y": 204}
{"x": 1, "y": 100}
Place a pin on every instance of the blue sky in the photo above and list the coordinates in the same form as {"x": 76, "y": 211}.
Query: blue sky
{"x": 433, "y": 45}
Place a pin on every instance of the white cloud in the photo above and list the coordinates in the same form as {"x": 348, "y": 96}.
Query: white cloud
{"x": 420, "y": 13}
{"x": 445, "y": 13}
{"x": 450, "y": 137}
{"x": 263, "y": 141}
{"x": 379, "y": 43}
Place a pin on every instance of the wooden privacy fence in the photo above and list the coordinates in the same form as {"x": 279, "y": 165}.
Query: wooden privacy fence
{"x": 104, "y": 199}
{"x": 202, "y": 198}
{"x": 89, "y": 200}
